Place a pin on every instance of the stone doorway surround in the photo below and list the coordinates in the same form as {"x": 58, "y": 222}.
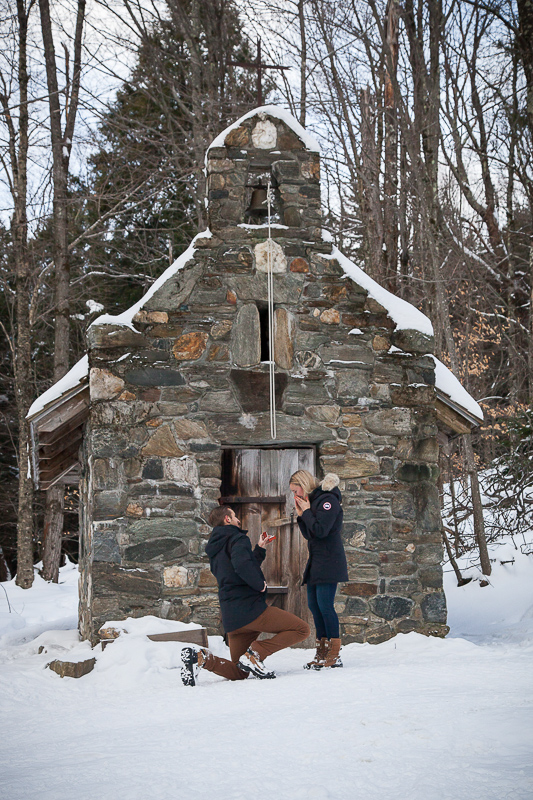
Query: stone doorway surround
{"x": 255, "y": 482}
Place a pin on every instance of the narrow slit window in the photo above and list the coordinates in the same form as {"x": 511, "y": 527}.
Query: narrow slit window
{"x": 263, "y": 327}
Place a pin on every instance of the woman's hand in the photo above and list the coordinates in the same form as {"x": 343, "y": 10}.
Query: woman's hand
{"x": 302, "y": 504}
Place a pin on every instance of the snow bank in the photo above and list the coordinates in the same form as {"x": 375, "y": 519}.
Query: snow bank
{"x": 25, "y": 613}
{"x": 406, "y": 316}
{"x": 73, "y": 378}
{"x": 127, "y": 316}
{"x": 503, "y": 610}
{"x": 273, "y": 111}
{"x": 446, "y": 381}
{"x": 148, "y": 625}
{"x": 415, "y": 717}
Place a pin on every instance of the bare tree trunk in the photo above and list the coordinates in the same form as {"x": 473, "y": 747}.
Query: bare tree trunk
{"x": 189, "y": 23}
{"x": 523, "y": 41}
{"x": 53, "y": 532}
{"x": 460, "y": 580}
{"x": 456, "y": 537}
{"x": 477, "y": 507}
{"x": 390, "y": 161}
{"x": 530, "y": 343}
{"x": 22, "y": 348}
{"x": 61, "y": 142}
{"x": 512, "y": 361}
{"x": 303, "y": 62}
{"x": 23, "y": 386}
{"x": 427, "y": 109}
{"x": 403, "y": 283}
{"x": 369, "y": 190}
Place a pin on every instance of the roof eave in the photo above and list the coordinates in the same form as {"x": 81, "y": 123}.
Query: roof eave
{"x": 472, "y": 420}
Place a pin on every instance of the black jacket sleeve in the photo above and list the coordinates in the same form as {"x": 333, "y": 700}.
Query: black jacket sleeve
{"x": 303, "y": 527}
{"x": 245, "y": 564}
{"x": 318, "y": 524}
{"x": 259, "y": 553}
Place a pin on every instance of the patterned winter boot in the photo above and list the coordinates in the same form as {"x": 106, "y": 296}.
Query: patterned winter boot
{"x": 250, "y": 662}
{"x": 320, "y": 656}
{"x": 333, "y": 658}
{"x": 193, "y": 661}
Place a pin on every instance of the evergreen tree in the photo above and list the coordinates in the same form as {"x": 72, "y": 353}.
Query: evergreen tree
{"x": 146, "y": 177}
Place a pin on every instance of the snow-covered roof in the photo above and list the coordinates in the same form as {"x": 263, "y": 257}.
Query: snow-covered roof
{"x": 405, "y": 315}
{"x": 80, "y": 371}
{"x": 126, "y": 318}
{"x": 74, "y": 377}
{"x": 272, "y": 111}
{"x": 449, "y": 385}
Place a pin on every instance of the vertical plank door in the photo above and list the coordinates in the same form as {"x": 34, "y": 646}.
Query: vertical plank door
{"x": 265, "y": 474}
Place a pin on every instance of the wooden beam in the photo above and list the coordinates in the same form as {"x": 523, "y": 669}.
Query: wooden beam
{"x": 194, "y": 636}
{"x": 70, "y": 476}
{"x": 63, "y": 413}
{"x": 59, "y": 464}
{"x": 279, "y": 523}
{"x": 49, "y": 437}
{"x": 234, "y": 499}
{"x": 48, "y": 451}
{"x": 451, "y": 419}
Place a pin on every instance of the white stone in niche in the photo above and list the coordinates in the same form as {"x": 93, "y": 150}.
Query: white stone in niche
{"x": 279, "y": 262}
{"x": 264, "y": 135}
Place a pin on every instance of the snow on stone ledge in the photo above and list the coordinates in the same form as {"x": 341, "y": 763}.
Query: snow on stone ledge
{"x": 405, "y": 315}
{"x": 127, "y": 316}
{"x": 150, "y": 625}
{"x": 447, "y": 383}
{"x": 80, "y": 370}
{"x": 273, "y": 111}
{"x": 73, "y": 378}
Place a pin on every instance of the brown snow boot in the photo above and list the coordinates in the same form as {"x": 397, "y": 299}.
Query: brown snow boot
{"x": 320, "y": 655}
{"x": 333, "y": 658}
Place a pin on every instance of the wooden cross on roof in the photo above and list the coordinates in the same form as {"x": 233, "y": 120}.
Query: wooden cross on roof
{"x": 260, "y": 67}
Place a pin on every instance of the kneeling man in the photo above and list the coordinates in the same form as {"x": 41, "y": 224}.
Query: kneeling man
{"x": 245, "y": 614}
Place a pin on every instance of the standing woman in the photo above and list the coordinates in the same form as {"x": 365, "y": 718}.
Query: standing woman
{"x": 319, "y": 509}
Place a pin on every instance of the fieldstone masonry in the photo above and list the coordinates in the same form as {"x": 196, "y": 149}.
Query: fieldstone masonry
{"x": 189, "y": 379}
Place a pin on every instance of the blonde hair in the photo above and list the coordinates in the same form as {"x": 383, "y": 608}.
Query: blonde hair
{"x": 304, "y": 479}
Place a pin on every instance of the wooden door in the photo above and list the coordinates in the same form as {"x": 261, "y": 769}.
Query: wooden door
{"x": 255, "y": 482}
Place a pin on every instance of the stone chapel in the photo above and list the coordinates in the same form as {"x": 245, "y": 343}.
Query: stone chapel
{"x": 176, "y": 415}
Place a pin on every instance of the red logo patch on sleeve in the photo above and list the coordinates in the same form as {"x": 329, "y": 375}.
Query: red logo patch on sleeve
{"x": 327, "y": 506}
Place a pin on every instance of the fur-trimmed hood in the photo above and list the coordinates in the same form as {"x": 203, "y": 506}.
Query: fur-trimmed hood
{"x": 329, "y": 482}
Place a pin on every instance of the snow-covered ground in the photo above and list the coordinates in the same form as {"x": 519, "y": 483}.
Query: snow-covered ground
{"x": 411, "y": 719}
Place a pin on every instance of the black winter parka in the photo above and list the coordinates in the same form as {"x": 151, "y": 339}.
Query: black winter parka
{"x": 321, "y": 525}
{"x": 239, "y": 576}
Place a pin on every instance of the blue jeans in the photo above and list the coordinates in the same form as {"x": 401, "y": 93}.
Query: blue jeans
{"x": 320, "y": 599}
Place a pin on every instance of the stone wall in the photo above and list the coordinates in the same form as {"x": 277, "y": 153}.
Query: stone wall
{"x": 167, "y": 396}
